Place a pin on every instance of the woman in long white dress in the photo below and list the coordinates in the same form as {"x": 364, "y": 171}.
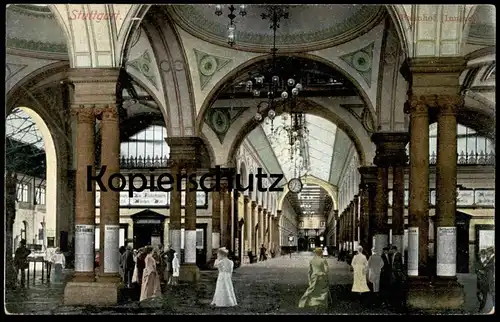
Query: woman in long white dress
{"x": 360, "y": 266}
{"x": 224, "y": 292}
{"x": 58, "y": 264}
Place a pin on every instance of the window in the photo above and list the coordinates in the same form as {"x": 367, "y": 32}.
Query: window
{"x": 40, "y": 196}
{"x": 472, "y": 148}
{"x": 146, "y": 149}
{"x": 22, "y": 193}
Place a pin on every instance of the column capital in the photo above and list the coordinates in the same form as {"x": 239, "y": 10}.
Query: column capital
{"x": 254, "y": 204}
{"x": 84, "y": 113}
{"x": 246, "y": 199}
{"x": 94, "y": 85}
{"x": 368, "y": 175}
{"x": 264, "y": 211}
{"x": 185, "y": 150}
{"x": 391, "y": 148}
{"x": 259, "y": 208}
{"x": 108, "y": 112}
{"x": 279, "y": 212}
{"x": 448, "y": 104}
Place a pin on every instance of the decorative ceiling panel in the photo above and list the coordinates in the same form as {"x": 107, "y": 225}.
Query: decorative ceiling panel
{"x": 309, "y": 27}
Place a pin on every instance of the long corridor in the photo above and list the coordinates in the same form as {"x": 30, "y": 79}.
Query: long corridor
{"x": 270, "y": 287}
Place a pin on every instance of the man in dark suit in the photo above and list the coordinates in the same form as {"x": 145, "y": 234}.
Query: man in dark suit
{"x": 397, "y": 279}
{"x": 385, "y": 277}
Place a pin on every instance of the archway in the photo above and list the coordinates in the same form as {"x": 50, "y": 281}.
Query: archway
{"x": 313, "y": 181}
{"x": 31, "y": 153}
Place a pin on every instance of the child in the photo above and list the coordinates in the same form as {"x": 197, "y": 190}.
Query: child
{"x": 176, "y": 269}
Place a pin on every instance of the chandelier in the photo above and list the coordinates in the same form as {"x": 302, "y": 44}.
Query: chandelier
{"x": 231, "y": 28}
{"x": 282, "y": 87}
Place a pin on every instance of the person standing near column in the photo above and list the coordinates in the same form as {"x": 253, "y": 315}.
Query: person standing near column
{"x": 49, "y": 253}
{"x": 21, "y": 260}
{"x": 375, "y": 265}
{"x": 360, "y": 266}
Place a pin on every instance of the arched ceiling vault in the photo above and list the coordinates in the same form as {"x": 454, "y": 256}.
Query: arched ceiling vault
{"x": 104, "y": 44}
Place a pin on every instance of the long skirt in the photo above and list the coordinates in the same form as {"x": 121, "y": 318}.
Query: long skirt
{"x": 56, "y": 276}
{"x": 489, "y": 304}
{"x": 318, "y": 292}
{"x": 150, "y": 286}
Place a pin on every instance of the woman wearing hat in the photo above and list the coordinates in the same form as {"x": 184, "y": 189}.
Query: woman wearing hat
{"x": 318, "y": 292}
{"x": 224, "y": 292}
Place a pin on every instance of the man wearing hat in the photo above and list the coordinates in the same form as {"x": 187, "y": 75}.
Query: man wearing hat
{"x": 21, "y": 260}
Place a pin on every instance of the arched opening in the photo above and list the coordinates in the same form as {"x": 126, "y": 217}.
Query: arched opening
{"x": 31, "y": 154}
{"x": 332, "y": 141}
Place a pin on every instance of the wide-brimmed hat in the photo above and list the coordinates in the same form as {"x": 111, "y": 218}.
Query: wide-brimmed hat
{"x": 223, "y": 250}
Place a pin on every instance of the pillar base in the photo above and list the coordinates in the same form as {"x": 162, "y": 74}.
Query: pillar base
{"x": 438, "y": 295}
{"x": 109, "y": 278}
{"x": 83, "y": 277}
{"x": 189, "y": 273}
{"x": 91, "y": 293}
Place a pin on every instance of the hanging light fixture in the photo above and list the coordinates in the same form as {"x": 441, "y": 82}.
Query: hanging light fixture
{"x": 231, "y": 28}
{"x": 283, "y": 90}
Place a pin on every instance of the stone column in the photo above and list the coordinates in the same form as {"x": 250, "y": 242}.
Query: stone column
{"x": 255, "y": 219}
{"x": 190, "y": 271}
{"x": 261, "y": 229}
{"x": 446, "y": 183}
{"x": 398, "y": 206}
{"x": 265, "y": 227}
{"x": 337, "y": 228}
{"x": 277, "y": 234}
{"x": 84, "y": 199}
{"x": 10, "y": 217}
{"x": 356, "y": 219}
{"x": 109, "y": 210}
{"x": 227, "y": 206}
{"x": 184, "y": 154}
{"x": 430, "y": 78}
{"x": 216, "y": 214}
{"x": 380, "y": 219}
{"x": 369, "y": 191}
{"x": 391, "y": 152}
{"x": 247, "y": 216}
{"x": 175, "y": 209}
{"x": 271, "y": 227}
{"x": 93, "y": 88}
{"x": 418, "y": 212}
{"x": 353, "y": 225}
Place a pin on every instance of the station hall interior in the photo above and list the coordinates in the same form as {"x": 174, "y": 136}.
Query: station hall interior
{"x": 379, "y": 119}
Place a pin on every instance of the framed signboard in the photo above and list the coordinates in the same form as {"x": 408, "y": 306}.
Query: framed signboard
{"x": 484, "y": 198}
{"x": 465, "y": 197}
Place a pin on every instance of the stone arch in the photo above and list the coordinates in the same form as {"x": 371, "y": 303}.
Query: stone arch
{"x": 55, "y": 123}
{"x": 332, "y": 192}
{"x": 51, "y": 172}
{"x": 222, "y": 83}
{"x": 174, "y": 73}
{"x": 341, "y": 117}
{"x": 400, "y": 17}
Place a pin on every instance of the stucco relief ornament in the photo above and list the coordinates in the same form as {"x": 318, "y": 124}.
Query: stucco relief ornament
{"x": 208, "y": 65}
{"x": 361, "y": 61}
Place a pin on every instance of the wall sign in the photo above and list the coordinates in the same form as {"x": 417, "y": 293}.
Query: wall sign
{"x": 446, "y": 251}
{"x": 153, "y": 198}
{"x": 484, "y": 198}
{"x": 465, "y": 197}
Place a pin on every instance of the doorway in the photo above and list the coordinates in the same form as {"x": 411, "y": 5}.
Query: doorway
{"x": 462, "y": 222}
{"x": 148, "y": 228}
